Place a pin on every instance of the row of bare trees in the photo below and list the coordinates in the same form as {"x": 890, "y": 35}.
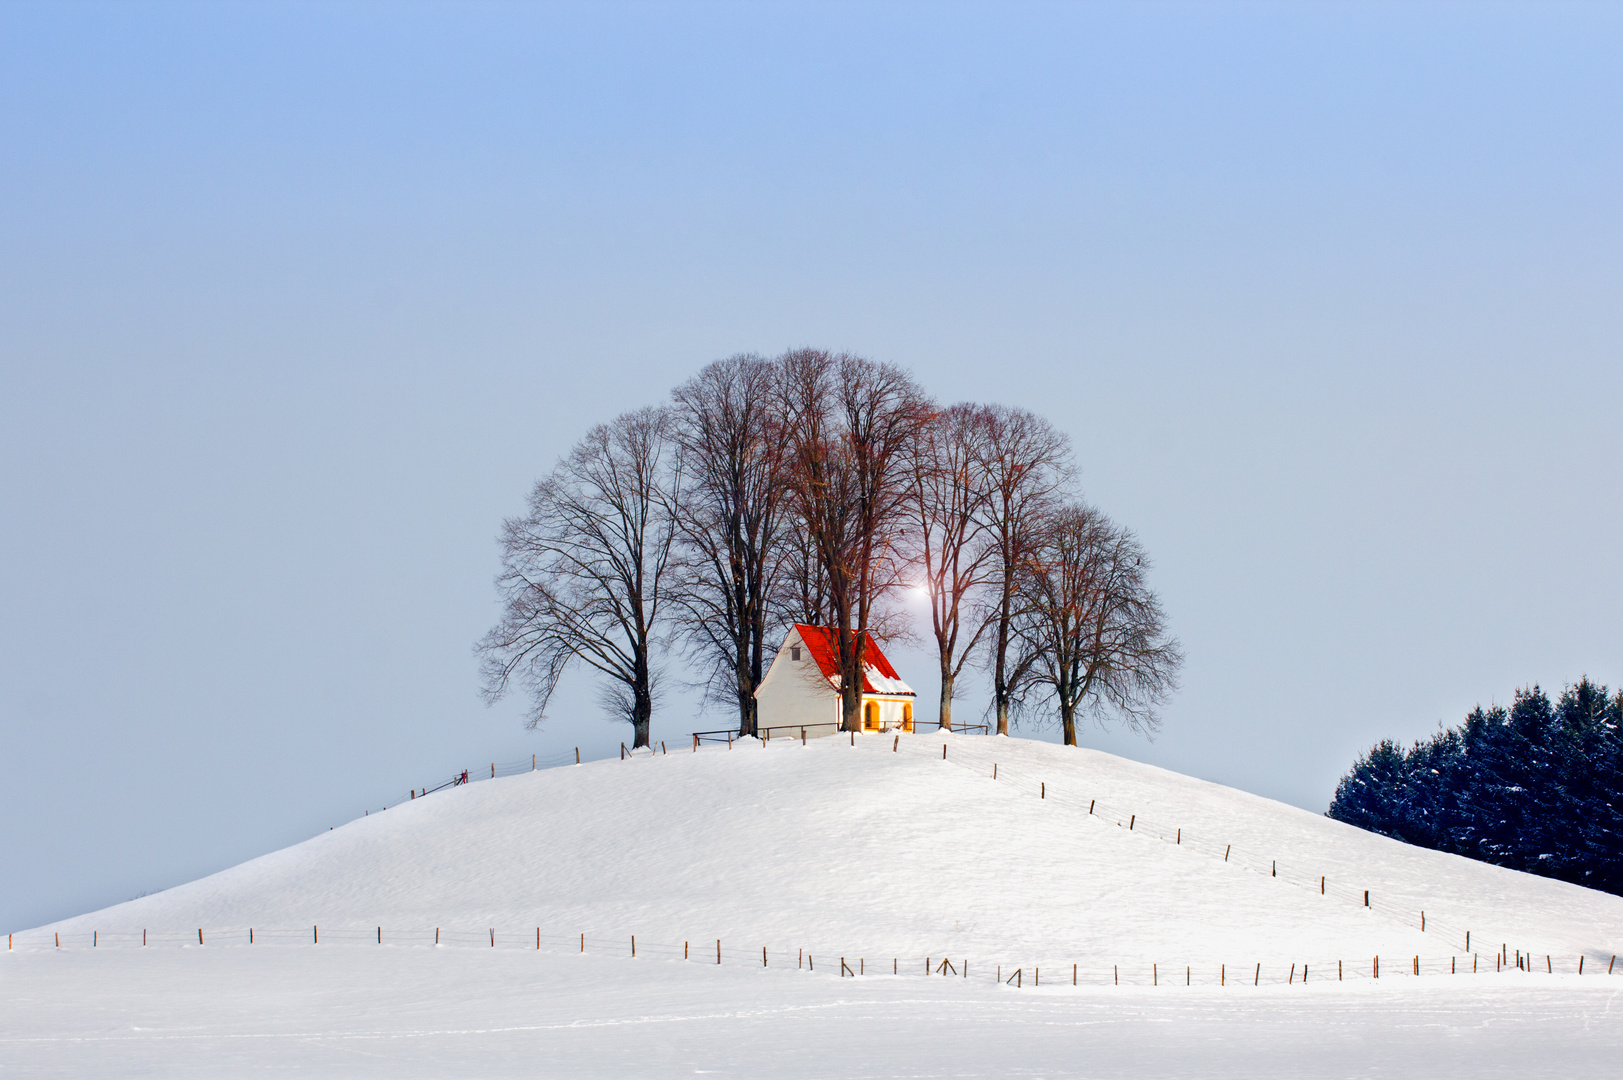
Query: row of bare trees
{"x": 816, "y": 487}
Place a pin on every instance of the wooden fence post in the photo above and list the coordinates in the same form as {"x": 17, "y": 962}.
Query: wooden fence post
{"x": 577, "y": 754}
{"x": 718, "y": 950}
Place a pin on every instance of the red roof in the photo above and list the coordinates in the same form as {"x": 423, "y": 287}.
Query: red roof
{"x": 820, "y": 640}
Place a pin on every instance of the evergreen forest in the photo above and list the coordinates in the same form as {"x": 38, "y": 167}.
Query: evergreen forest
{"x": 1537, "y": 787}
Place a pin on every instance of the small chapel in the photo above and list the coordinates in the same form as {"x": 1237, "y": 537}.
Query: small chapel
{"x": 802, "y": 687}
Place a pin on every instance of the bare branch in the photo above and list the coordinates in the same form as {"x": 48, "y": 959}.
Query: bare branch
{"x": 730, "y": 523}
{"x": 1090, "y": 629}
{"x": 584, "y": 571}
{"x": 849, "y": 428}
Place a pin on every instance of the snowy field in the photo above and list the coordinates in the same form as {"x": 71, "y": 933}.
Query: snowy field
{"x": 1178, "y": 929}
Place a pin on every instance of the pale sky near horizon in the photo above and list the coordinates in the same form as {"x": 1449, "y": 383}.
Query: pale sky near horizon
{"x": 297, "y": 300}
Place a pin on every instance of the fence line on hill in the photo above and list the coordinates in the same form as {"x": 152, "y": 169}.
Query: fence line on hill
{"x": 1504, "y": 959}
{"x": 1026, "y": 780}
{"x": 492, "y": 771}
{"x": 1023, "y": 779}
{"x": 1093, "y": 972}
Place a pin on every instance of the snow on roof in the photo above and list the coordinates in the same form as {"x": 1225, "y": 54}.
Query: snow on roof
{"x": 878, "y": 677}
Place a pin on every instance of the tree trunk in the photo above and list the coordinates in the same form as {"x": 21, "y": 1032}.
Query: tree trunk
{"x": 1000, "y": 646}
{"x": 851, "y": 707}
{"x": 946, "y": 696}
{"x": 1067, "y": 719}
{"x": 642, "y": 712}
{"x": 746, "y": 698}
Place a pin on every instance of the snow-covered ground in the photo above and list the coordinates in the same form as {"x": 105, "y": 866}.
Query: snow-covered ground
{"x": 1170, "y": 930}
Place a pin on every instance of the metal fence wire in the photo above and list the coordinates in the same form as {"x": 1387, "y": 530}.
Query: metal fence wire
{"x": 972, "y": 755}
{"x": 1091, "y": 972}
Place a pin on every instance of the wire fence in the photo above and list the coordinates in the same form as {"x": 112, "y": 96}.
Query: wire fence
{"x": 492, "y": 771}
{"x": 1089, "y": 972}
{"x": 803, "y": 732}
{"x": 1032, "y": 782}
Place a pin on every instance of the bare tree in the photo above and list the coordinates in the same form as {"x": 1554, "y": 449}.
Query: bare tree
{"x": 849, "y": 428}
{"x": 951, "y": 548}
{"x": 1093, "y": 631}
{"x": 1027, "y": 465}
{"x": 800, "y": 586}
{"x": 584, "y": 571}
{"x": 729, "y": 521}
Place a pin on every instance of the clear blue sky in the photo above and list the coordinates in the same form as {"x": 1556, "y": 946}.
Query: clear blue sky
{"x": 297, "y": 300}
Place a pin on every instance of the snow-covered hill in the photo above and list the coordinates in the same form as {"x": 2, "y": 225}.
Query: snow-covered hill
{"x": 1187, "y": 914}
{"x": 889, "y": 848}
